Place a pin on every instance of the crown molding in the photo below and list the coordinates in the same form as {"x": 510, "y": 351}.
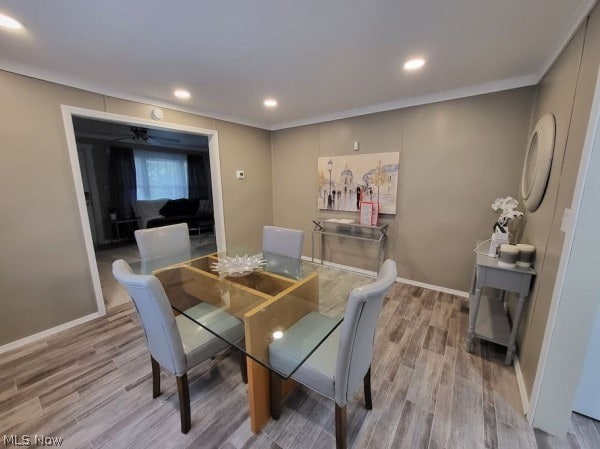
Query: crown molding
{"x": 90, "y": 87}
{"x": 463, "y": 92}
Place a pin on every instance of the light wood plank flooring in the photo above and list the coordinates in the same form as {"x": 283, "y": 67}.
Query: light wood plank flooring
{"x": 92, "y": 386}
{"x": 113, "y": 292}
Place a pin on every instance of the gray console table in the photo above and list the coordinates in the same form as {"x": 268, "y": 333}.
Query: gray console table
{"x": 488, "y": 319}
{"x": 325, "y": 227}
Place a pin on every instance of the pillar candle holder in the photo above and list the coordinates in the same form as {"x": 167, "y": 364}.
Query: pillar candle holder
{"x": 526, "y": 253}
{"x": 509, "y": 255}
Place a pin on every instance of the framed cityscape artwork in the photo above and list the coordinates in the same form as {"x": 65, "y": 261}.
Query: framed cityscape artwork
{"x": 345, "y": 181}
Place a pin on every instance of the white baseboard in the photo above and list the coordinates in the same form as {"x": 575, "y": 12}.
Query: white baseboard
{"x": 343, "y": 267}
{"x": 40, "y": 335}
{"x": 521, "y": 384}
{"x": 436, "y": 288}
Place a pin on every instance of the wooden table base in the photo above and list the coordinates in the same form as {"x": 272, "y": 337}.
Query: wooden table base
{"x": 259, "y": 394}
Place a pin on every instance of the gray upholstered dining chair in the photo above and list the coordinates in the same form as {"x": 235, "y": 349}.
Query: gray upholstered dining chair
{"x": 176, "y": 343}
{"x": 163, "y": 241}
{"x": 283, "y": 241}
{"x": 343, "y": 361}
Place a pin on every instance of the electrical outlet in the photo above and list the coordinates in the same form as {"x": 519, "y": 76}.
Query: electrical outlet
{"x": 239, "y": 174}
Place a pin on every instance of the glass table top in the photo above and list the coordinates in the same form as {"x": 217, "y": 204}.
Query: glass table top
{"x": 272, "y": 301}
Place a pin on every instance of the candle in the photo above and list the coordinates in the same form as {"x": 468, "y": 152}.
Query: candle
{"x": 526, "y": 253}
{"x": 508, "y": 256}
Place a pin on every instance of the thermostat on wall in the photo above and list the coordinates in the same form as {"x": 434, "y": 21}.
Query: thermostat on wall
{"x": 239, "y": 174}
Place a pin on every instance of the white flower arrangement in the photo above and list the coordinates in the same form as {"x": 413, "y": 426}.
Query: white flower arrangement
{"x": 506, "y": 207}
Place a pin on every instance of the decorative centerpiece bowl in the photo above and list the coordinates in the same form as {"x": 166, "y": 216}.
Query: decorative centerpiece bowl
{"x": 238, "y": 266}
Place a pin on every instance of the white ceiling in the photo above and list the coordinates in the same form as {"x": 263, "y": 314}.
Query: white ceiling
{"x": 321, "y": 59}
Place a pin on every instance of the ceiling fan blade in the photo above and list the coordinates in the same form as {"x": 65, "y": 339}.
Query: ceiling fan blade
{"x": 164, "y": 139}
{"x": 112, "y": 134}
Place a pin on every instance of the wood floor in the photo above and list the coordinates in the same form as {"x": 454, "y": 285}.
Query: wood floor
{"x": 583, "y": 433}
{"x": 91, "y": 385}
{"x": 113, "y": 292}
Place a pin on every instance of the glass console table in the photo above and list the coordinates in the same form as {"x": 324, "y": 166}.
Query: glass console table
{"x": 345, "y": 228}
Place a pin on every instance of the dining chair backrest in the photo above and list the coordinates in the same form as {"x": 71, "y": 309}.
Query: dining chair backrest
{"x": 357, "y": 333}
{"x": 283, "y": 241}
{"x": 163, "y": 241}
{"x": 152, "y": 305}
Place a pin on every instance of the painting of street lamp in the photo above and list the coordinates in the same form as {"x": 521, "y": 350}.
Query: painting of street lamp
{"x": 379, "y": 178}
{"x": 353, "y": 178}
{"x": 322, "y": 190}
{"x": 329, "y": 197}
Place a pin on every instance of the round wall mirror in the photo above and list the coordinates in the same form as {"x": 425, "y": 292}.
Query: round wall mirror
{"x": 538, "y": 161}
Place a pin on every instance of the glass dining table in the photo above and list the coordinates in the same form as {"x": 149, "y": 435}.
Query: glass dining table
{"x": 269, "y": 293}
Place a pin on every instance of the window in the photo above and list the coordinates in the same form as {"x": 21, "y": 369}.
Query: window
{"x": 160, "y": 175}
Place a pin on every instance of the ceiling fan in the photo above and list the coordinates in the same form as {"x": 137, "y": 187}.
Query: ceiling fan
{"x": 141, "y": 134}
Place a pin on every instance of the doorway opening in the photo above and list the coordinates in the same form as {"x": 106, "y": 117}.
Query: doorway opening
{"x": 132, "y": 173}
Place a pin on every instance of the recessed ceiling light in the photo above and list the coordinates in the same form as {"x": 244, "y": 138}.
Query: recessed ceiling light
{"x": 9, "y": 22}
{"x": 414, "y": 64}
{"x": 182, "y": 93}
{"x": 270, "y": 103}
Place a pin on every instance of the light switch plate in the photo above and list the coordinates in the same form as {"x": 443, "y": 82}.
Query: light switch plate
{"x": 239, "y": 174}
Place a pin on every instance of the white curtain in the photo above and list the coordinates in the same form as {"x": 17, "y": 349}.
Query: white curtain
{"x": 160, "y": 175}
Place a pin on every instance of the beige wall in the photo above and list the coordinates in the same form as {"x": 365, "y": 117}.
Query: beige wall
{"x": 456, "y": 157}
{"x": 248, "y": 203}
{"x": 566, "y": 91}
{"x": 44, "y": 275}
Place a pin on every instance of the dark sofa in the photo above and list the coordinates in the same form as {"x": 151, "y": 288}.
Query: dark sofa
{"x": 197, "y": 213}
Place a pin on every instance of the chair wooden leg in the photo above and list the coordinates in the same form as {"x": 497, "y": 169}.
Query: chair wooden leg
{"x": 275, "y": 395}
{"x": 340, "y": 427}
{"x": 243, "y": 366}
{"x": 184, "y": 403}
{"x": 155, "y": 378}
{"x": 367, "y": 382}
